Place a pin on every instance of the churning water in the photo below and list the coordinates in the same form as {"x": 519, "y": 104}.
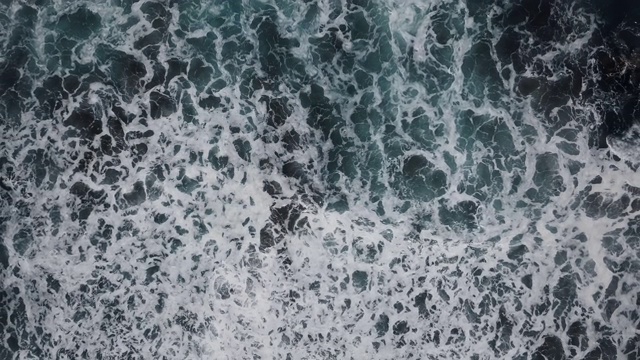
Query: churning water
{"x": 319, "y": 179}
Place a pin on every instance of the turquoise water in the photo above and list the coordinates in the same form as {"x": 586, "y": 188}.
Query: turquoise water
{"x": 420, "y": 179}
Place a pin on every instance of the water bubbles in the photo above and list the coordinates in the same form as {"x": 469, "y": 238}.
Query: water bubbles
{"x": 383, "y": 178}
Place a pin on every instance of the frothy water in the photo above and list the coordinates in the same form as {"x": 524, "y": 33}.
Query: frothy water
{"x": 325, "y": 179}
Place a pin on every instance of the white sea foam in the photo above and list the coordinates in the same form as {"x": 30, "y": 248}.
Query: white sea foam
{"x": 434, "y": 211}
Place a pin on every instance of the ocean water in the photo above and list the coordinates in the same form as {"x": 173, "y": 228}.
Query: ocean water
{"x": 319, "y": 179}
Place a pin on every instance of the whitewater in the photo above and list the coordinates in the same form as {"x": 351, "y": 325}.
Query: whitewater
{"x": 319, "y": 179}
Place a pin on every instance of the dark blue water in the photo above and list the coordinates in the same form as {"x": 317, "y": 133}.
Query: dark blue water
{"x": 419, "y": 179}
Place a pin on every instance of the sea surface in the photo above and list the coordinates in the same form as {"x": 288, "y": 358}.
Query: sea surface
{"x": 320, "y": 179}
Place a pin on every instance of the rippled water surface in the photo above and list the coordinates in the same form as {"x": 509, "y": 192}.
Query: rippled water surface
{"x": 319, "y": 179}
